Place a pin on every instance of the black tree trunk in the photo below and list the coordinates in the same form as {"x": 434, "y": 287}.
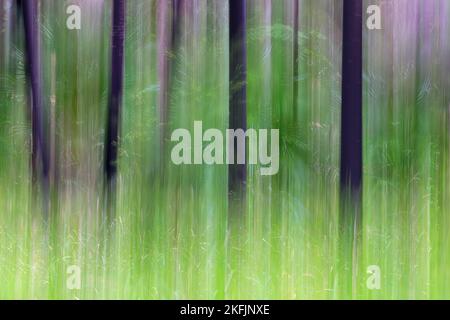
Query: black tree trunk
{"x": 177, "y": 9}
{"x": 238, "y": 100}
{"x": 39, "y": 156}
{"x": 351, "y": 147}
{"x": 115, "y": 94}
{"x": 351, "y": 131}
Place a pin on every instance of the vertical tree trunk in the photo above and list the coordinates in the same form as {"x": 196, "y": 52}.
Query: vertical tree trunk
{"x": 351, "y": 145}
{"x": 39, "y": 157}
{"x": 238, "y": 100}
{"x": 177, "y": 9}
{"x": 115, "y": 94}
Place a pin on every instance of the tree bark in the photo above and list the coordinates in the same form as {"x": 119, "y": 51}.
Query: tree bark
{"x": 116, "y": 91}
{"x": 351, "y": 138}
{"x": 351, "y": 148}
{"x": 177, "y": 10}
{"x": 238, "y": 100}
{"x": 39, "y": 156}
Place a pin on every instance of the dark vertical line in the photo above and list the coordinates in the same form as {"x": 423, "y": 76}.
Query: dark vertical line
{"x": 177, "y": 7}
{"x": 351, "y": 151}
{"x": 351, "y": 122}
{"x": 238, "y": 96}
{"x": 116, "y": 90}
{"x": 39, "y": 157}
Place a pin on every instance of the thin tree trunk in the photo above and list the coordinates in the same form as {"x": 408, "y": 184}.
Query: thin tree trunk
{"x": 351, "y": 144}
{"x": 238, "y": 100}
{"x": 177, "y": 9}
{"x": 39, "y": 156}
{"x": 115, "y": 95}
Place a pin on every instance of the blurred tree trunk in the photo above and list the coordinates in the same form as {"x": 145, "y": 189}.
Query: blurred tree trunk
{"x": 351, "y": 145}
{"x": 165, "y": 37}
{"x": 115, "y": 94}
{"x": 267, "y": 21}
{"x": 351, "y": 148}
{"x": 238, "y": 101}
{"x": 5, "y": 32}
{"x": 39, "y": 154}
{"x": 177, "y": 10}
{"x": 295, "y": 61}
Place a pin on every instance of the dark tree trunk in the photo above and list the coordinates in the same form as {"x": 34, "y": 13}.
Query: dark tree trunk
{"x": 115, "y": 94}
{"x": 39, "y": 156}
{"x": 238, "y": 100}
{"x": 177, "y": 9}
{"x": 351, "y": 131}
{"x": 351, "y": 150}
